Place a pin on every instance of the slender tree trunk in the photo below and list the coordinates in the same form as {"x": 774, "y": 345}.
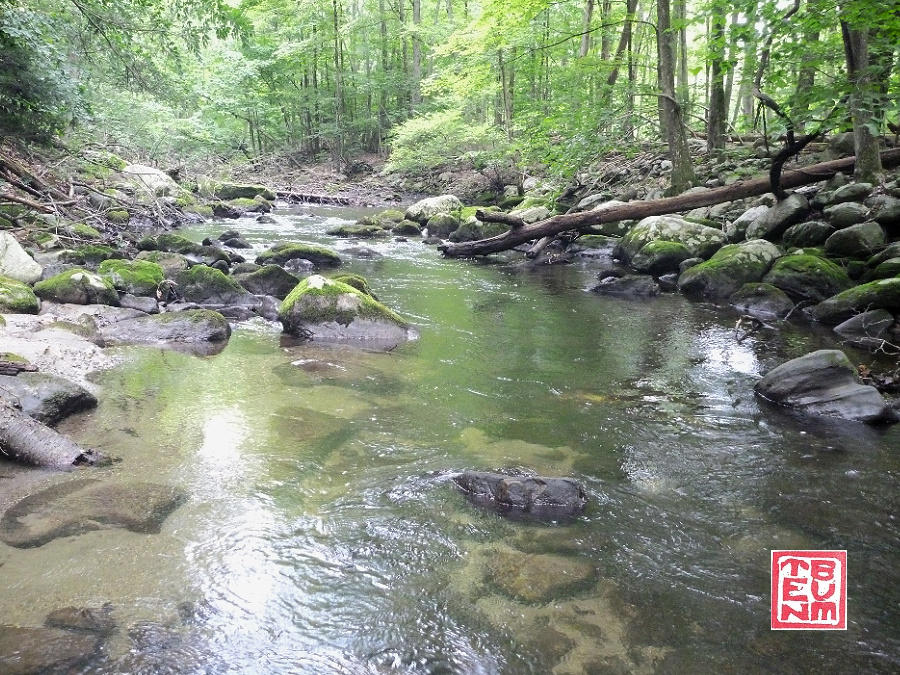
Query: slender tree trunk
{"x": 683, "y": 84}
{"x": 856, "y": 47}
{"x": 338, "y": 149}
{"x": 585, "y": 27}
{"x": 624, "y": 43}
{"x": 417, "y": 54}
{"x": 715, "y": 121}
{"x": 670, "y": 116}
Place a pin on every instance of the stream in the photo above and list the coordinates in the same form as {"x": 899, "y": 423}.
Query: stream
{"x": 322, "y": 533}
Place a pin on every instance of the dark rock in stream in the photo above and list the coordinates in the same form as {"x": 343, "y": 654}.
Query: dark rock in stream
{"x": 80, "y": 506}
{"x": 188, "y": 326}
{"x": 824, "y": 382}
{"x": 47, "y": 398}
{"x": 43, "y": 651}
{"x": 83, "y": 619}
{"x": 535, "y": 496}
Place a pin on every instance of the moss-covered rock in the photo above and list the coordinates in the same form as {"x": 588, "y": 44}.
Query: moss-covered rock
{"x": 407, "y": 228}
{"x": 660, "y": 257}
{"x": 889, "y": 268}
{"x": 281, "y": 253}
{"x": 730, "y": 268}
{"x": 358, "y": 282}
{"x": 78, "y": 287}
{"x": 135, "y": 277}
{"x": 321, "y": 308}
{"x": 389, "y": 218}
{"x": 700, "y": 240}
{"x": 83, "y": 231}
{"x": 171, "y": 263}
{"x": 17, "y": 297}
{"x": 424, "y": 209}
{"x": 186, "y": 327}
{"x": 442, "y": 224}
{"x": 255, "y": 205}
{"x": 170, "y": 242}
{"x": 475, "y": 230}
{"x": 268, "y": 280}
{"x": 118, "y": 216}
{"x": 358, "y": 231}
{"x": 808, "y": 277}
{"x": 804, "y": 235}
{"x": 207, "y": 285}
{"x": 857, "y": 241}
{"x": 228, "y": 191}
{"x": 90, "y": 255}
{"x": 880, "y": 294}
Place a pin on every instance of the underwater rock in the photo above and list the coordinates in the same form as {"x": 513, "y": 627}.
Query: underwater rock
{"x": 80, "y": 506}
{"x": 39, "y": 651}
{"x": 536, "y": 496}
{"x": 536, "y": 578}
{"x": 47, "y": 398}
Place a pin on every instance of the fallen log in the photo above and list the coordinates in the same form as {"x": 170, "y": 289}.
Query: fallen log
{"x": 300, "y": 198}
{"x": 27, "y": 440}
{"x": 16, "y": 367}
{"x": 656, "y": 207}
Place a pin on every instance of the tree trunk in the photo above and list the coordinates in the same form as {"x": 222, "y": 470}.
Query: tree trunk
{"x": 417, "y": 55}
{"x": 715, "y": 121}
{"x": 641, "y": 209}
{"x": 862, "y": 100}
{"x": 670, "y": 119}
{"x": 27, "y": 440}
{"x": 585, "y": 28}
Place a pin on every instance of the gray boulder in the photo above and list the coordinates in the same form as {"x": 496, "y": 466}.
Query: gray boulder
{"x": 15, "y": 263}
{"x": 805, "y": 235}
{"x": 889, "y": 216}
{"x": 846, "y": 214}
{"x": 47, "y": 398}
{"x": 729, "y": 269}
{"x": 856, "y": 241}
{"x": 270, "y": 280}
{"x": 78, "y": 287}
{"x": 824, "y": 383}
{"x": 855, "y": 192}
{"x": 628, "y": 286}
{"x": 762, "y": 300}
{"x": 535, "y": 496}
{"x": 660, "y": 257}
{"x": 189, "y": 326}
{"x": 75, "y": 507}
{"x": 774, "y": 222}
{"x": 424, "y": 209}
{"x": 867, "y": 330}
{"x": 737, "y": 231}
{"x": 209, "y": 286}
{"x": 880, "y": 294}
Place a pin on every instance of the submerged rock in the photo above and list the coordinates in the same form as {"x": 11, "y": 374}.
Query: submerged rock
{"x": 538, "y": 578}
{"x": 536, "y": 496}
{"x": 47, "y": 398}
{"x": 41, "y": 651}
{"x": 76, "y": 507}
{"x": 824, "y": 382}
{"x": 629, "y": 285}
{"x": 187, "y": 326}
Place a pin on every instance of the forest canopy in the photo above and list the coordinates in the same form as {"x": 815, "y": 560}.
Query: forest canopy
{"x": 443, "y": 82}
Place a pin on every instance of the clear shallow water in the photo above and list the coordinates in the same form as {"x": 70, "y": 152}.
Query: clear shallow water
{"x": 321, "y": 534}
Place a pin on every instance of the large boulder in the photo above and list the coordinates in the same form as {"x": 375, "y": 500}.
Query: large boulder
{"x": 737, "y": 230}
{"x": 804, "y": 235}
{"x": 39, "y": 650}
{"x": 730, "y": 268}
{"x": 135, "y": 277}
{"x": 229, "y": 191}
{"x": 47, "y": 398}
{"x": 868, "y": 330}
{"x": 171, "y": 263}
{"x": 17, "y": 297}
{"x": 880, "y": 294}
{"x": 808, "y": 277}
{"x": 424, "y": 209}
{"x": 700, "y": 240}
{"x": 442, "y": 224}
{"x": 627, "y": 286}
{"x": 846, "y": 214}
{"x": 774, "y": 222}
{"x": 281, "y": 253}
{"x": 660, "y": 257}
{"x": 208, "y": 286}
{"x": 269, "y": 280}
{"x": 78, "y": 506}
{"x": 824, "y": 383}
{"x": 193, "y": 330}
{"x": 156, "y": 182}
{"x": 762, "y": 300}
{"x": 15, "y": 263}
{"x": 320, "y": 308}
{"x": 856, "y": 241}
{"x": 536, "y": 496}
{"x": 77, "y": 287}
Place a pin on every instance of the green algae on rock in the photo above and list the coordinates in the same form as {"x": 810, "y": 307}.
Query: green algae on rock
{"x": 137, "y": 277}
{"x": 17, "y": 297}
{"x": 317, "y": 255}
{"x": 78, "y": 287}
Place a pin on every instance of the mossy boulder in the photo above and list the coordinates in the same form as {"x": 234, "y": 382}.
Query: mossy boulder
{"x": 730, "y": 268}
{"x": 118, "y": 216}
{"x": 271, "y": 280}
{"x": 281, "y": 253}
{"x": 808, "y": 277}
{"x": 185, "y": 327}
{"x": 424, "y": 209}
{"x": 320, "y": 308}
{"x": 889, "y": 268}
{"x": 84, "y": 231}
{"x": 389, "y": 218}
{"x": 473, "y": 231}
{"x": 171, "y": 263}
{"x": 700, "y": 240}
{"x": 358, "y": 231}
{"x": 15, "y": 263}
{"x": 880, "y": 294}
{"x": 135, "y": 277}
{"x": 90, "y": 255}
{"x": 846, "y": 214}
{"x": 174, "y": 243}
{"x": 78, "y": 287}
{"x": 660, "y": 257}
{"x": 442, "y": 224}
{"x": 207, "y": 285}
{"x": 17, "y": 297}
{"x": 804, "y": 235}
{"x": 407, "y": 228}
{"x": 255, "y": 205}
{"x": 358, "y": 282}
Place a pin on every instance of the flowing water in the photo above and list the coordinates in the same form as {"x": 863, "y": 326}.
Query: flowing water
{"x": 322, "y": 534}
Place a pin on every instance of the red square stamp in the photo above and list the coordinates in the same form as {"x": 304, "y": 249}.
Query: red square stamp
{"x": 809, "y": 590}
